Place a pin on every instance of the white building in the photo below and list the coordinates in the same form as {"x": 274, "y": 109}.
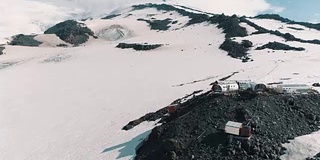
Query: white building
{"x": 293, "y": 88}
{"x": 225, "y": 86}
{"x": 248, "y": 84}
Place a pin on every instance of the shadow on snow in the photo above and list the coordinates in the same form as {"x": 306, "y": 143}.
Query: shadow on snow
{"x": 129, "y": 148}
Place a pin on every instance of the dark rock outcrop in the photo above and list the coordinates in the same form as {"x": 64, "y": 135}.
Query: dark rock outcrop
{"x": 161, "y": 25}
{"x": 195, "y": 130}
{"x": 230, "y": 24}
{"x": 279, "y": 46}
{"x": 235, "y": 49}
{"x": 316, "y": 84}
{"x": 295, "y": 28}
{"x": 1, "y": 50}
{"x": 71, "y": 31}
{"x": 24, "y": 40}
{"x": 111, "y": 16}
{"x": 138, "y": 47}
{"x": 316, "y": 157}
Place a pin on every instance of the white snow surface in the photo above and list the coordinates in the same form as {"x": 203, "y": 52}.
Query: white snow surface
{"x": 71, "y": 103}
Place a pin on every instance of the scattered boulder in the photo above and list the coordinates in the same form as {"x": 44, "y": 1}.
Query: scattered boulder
{"x": 71, "y": 31}
{"x": 24, "y": 40}
{"x": 280, "y": 46}
{"x": 138, "y": 47}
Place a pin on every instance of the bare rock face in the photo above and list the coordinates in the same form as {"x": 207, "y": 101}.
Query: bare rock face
{"x": 138, "y": 47}
{"x": 280, "y": 46}
{"x": 71, "y": 31}
{"x": 115, "y": 32}
{"x": 24, "y": 40}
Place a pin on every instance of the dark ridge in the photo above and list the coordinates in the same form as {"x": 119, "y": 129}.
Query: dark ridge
{"x": 161, "y": 25}
{"x": 184, "y": 7}
{"x": 138, "y": 47}
{"x": 316, "y": 157}
{"x": 286, "y": 36}
{"x": 279, "y": 46}
{"x": 273, "y": 16}
{"x": 298, "y": 29}
{"x": 160, "y": 114}
{"x": 24, "y": 40}
{"x": 228, "y": 77}
{"x": 1, "y": 50}
{"x": 285, "y": 20}
{"x": 230, "y": 25}
{"x": 235, "y": 49}
{"x": 195, "y": 130}
{"x": 71, "y": 31}
{"x": 111, "y": 16}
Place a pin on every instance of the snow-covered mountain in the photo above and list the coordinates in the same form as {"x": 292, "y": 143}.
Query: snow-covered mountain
{"x": 69, "y": 95}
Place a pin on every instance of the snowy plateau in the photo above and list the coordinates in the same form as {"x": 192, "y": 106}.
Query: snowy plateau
{"x": 71, "y": 102}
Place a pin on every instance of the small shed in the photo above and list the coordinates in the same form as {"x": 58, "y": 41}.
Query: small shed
{"x": 233, "y": 128}
{"x": 172, "y": 108}
{"x": 293, "y": 88}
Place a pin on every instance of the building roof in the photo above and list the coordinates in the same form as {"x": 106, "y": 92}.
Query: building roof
{"x": 234, "y": 124}
{"x": 294, "y": 85}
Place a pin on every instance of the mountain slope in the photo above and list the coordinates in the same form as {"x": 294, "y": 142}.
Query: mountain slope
{"x": 71, "y": 102}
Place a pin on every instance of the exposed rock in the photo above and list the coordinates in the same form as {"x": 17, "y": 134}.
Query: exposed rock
{"x": 195, "y": 131}
{"x": 111, "y": 16}
{"x": 138, "y": 47}
{"x": 280, "y": 46}
{"x": 169, "y": 156}
{"x": 114, "y": 32}
{"x": 247, "y": 43}
{"x": 71, "y": 31}
{"x": 161, "y": 25}
{"x": 316, "y": 84}
{"x": 295, "y": 28}
{"x": 24, "y": 40}
{"x": 234, "y": 49}
{"x": 316, "y": 157}
{"x": 230, "y": 24}
{"x": 1, "y": 50}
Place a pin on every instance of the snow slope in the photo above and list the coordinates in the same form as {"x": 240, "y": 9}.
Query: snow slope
{"x": 305, "y": 33}
{"x": 71, "y": 103}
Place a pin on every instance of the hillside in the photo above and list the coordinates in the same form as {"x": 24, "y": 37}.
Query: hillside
{"x": 69, "y": 92}
{"x": 195, "y": 131}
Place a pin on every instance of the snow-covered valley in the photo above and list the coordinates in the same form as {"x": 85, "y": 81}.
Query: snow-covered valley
{"x": 71, "y": 102}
